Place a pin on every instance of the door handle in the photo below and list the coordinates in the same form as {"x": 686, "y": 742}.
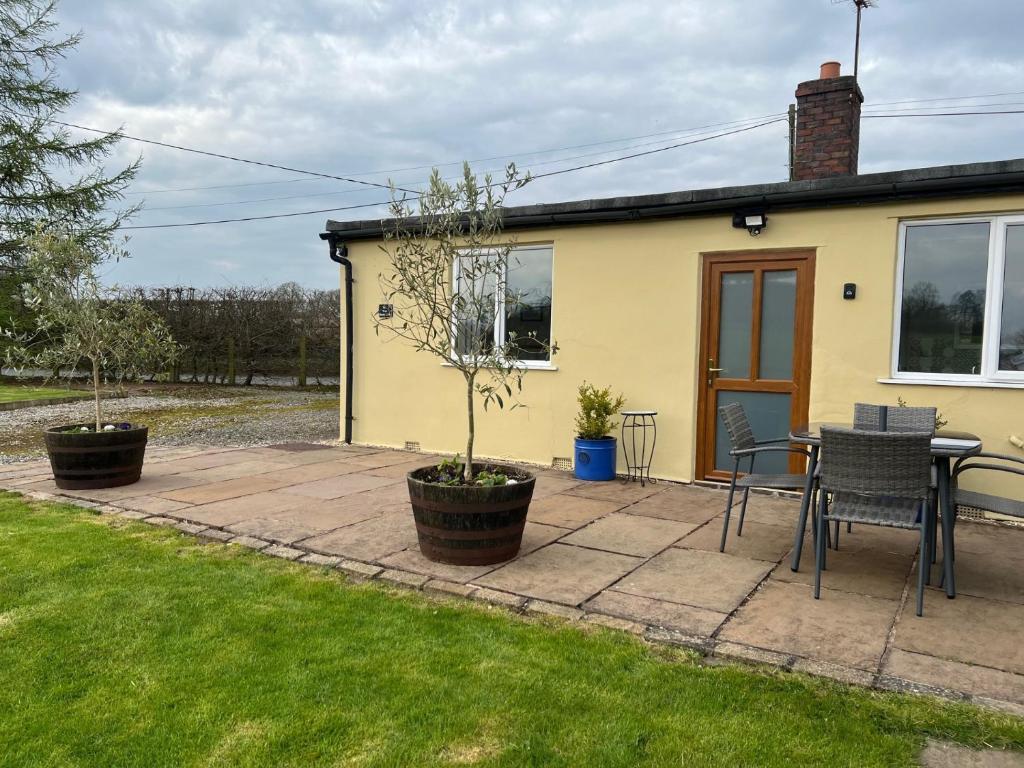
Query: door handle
{"x": 712, "y": 371}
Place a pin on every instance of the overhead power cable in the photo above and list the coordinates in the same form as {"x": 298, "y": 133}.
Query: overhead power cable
{"x": 478, "y": 159}
{"x": 449, "y": 178}
{"x": 223, "y": 156}
{"x": 417, "y": 195}
{"x": 951, "y": 114}
{"x": 946, "y": 98}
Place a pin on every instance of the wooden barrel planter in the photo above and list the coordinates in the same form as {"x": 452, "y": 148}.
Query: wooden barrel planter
{"x": 468, "y": 524}
{"x": 82, "y": 460}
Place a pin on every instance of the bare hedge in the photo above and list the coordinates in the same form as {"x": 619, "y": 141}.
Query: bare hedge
{"x": 236, "y": 334}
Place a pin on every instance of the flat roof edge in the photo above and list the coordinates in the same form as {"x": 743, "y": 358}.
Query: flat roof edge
{"x": 939, "y": 181}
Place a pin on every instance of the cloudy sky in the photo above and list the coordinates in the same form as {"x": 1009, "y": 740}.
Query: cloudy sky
{"x": 380, "y": 90}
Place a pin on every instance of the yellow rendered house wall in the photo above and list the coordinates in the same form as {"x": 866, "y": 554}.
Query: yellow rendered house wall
{"x": 626, "y": 313}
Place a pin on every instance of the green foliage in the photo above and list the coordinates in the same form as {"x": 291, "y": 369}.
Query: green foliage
{"x": 452, "y": 472}
{"x": 457, "y": 232}
{"x": 130, "y": 645}
{"x": 490, "y": 479}
{"x": 597, "y": 411}
{"x": 46, "y": 175}
{"x": 77, "y": 319}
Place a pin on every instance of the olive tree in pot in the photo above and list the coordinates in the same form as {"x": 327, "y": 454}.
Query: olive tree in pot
{"x": 594, "y": 446}
{"x": 78, "y": 320}
{"x": 445, "y": 280}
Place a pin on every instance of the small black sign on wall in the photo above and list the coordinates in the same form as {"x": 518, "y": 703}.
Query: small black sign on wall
{"x": 386, "y": 311}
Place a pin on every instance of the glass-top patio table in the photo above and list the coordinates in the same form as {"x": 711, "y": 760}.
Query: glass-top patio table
{"x": 946, "y": 445}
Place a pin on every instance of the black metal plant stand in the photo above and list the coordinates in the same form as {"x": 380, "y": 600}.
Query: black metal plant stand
{"x": 639, "y": 463}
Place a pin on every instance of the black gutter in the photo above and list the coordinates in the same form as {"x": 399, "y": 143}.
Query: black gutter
{"x": 918, "y": 184}
{"x": 340, "y": 255}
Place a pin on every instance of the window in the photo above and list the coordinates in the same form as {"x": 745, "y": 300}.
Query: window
{"x": 522, "y": 305}
{"x": 960, "y": 315}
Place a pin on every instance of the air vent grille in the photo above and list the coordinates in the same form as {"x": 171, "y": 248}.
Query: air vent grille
{"x": 411, "y": 446}
{"x": 561, "y": 463}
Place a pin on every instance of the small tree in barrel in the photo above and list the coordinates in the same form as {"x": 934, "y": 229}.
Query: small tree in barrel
{"x": 445, "y": 283}
{"x": 77, "y": 319}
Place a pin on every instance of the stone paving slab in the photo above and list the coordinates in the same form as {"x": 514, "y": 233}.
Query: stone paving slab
{"x": 630, "y": 534}
{"x": 968, "y": 629}
{"x": 560, "y": 573}
{"x": 942, "y": 755}
{"x": 570, "y": 511}
{"x": 760, "y": 541}
{"x": 639, "y": 559}
{"x": 712, "y": 580}
{"x": 661, "y": 613}
{"x": 843, "y": 627}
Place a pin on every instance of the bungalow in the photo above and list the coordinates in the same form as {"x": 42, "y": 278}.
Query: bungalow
{"x": 795, "y": 299}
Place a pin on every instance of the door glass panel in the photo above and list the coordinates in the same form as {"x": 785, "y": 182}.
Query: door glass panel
{"x": 768, "y": 413}
{"x": 945, "y": 269}
{"x": 735, "y": 327}
{"x": 1011, "y": 335}
{"x": 778, "y": 323}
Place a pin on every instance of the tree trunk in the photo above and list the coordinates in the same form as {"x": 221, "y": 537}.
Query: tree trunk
{"x": 302, "y": 361}
{"x": 468, "y": 472}
{"x": 96, "y": 390}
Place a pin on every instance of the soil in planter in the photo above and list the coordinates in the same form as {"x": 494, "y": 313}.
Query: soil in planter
{"x": 452, "y": 476}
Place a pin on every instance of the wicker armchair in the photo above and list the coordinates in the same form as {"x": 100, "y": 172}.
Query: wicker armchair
{"x": 969, "y": 503}
{"x": 876, "y": 478}
{"x": 743, "y": 445}
{"x": 898, "y": 418}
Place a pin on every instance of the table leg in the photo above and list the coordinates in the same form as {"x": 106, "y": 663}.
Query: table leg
{"x": 947, "y": 513}
{"x": 805, "y": 504}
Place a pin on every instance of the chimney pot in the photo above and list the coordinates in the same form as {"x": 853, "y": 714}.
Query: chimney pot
{"x": 829, "y": 70}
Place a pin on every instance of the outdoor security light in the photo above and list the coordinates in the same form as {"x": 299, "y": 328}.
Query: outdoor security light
{"x": 752, "y": 221}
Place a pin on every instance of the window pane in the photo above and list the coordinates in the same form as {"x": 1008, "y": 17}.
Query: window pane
{"x": 528, "y": 302}
{"x": 475, "y": 305}
{"x": 778, "y": 324}
{"x": 1011, "y": 336}
{"x": 736, "y": 320}
{"x": 768, "y": 413}
{"x": 943, "y": 313}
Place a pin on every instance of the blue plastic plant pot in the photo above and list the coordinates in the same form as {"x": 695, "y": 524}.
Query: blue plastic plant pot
{"x": 595, "y": 459}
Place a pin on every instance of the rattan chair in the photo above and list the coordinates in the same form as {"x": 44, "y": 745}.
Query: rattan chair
{"x": 972, "y": 502}
{"x": 898, "y": 418}
{"x": 743, "y": 445}
{"x": 876, "y": 478}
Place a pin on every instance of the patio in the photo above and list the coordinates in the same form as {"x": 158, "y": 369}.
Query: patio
{"x": 643, "y": 560}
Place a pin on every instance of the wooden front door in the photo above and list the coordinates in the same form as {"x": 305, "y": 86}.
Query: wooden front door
{"x": 755, "y": 350}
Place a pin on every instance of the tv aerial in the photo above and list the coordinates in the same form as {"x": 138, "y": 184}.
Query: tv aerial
{"x": 860, "y": 5}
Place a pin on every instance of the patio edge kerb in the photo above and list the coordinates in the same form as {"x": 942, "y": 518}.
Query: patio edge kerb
{"x": 710, "y": 649}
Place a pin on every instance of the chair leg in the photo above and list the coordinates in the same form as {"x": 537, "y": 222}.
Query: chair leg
{"x": 849, "y": 527}
{"x": 922, "y": 566}
{"x": 928, "y": 521}
{"x": 819, "y": 549}
{"x": 728, "y": 506}
{"x": 933, "y": 503}
{"x": 835, "y": 540}
{"x": 743, "y": 511}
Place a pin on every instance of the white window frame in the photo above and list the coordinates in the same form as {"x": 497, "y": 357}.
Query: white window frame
{"x": 989, "y": 375}
{"x": 499, "y": 301}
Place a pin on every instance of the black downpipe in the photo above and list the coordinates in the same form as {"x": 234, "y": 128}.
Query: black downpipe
{"x": 339, "y": 254}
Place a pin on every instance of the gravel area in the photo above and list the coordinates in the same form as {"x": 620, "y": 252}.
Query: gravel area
{"x": 207, "y": 415}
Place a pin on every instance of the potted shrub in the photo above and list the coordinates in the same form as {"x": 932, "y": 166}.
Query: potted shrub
{"x": 445, "y": 268}
{"x": 76, "y": 319}
{"x": 595, "y": 449}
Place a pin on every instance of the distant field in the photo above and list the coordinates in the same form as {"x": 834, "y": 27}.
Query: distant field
{"x": 12, "y": 393}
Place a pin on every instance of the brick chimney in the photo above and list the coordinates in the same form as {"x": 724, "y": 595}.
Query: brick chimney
{"x": 827, "y": 139}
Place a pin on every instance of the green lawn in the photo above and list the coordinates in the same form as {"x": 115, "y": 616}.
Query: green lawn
{"x": 122, "y": 644}
{"x": 10, "y": 393}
